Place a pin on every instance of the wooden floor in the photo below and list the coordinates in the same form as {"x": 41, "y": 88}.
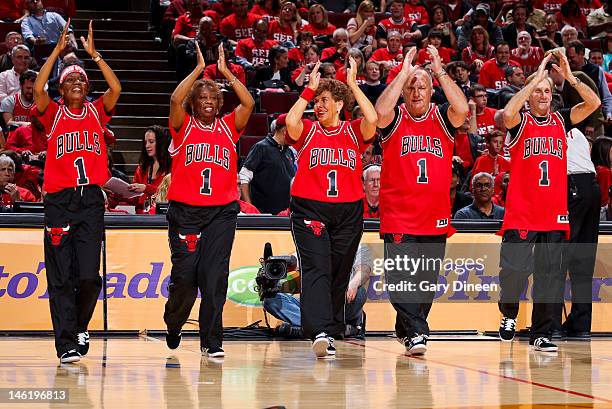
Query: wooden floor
{"x": 459, "y": 373}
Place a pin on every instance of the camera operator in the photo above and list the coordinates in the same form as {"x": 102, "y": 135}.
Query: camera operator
{"x": 279, "y": 301}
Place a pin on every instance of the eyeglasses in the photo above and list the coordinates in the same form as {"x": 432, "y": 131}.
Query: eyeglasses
{"x": 482, "y": 186}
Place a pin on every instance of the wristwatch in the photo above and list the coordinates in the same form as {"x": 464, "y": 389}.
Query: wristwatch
{"x": 97, "y": 57}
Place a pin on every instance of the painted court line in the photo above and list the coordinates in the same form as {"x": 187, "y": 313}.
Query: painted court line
{"x": 482, "y": 371}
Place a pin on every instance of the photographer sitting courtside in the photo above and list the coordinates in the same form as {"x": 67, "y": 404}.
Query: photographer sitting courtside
{"x": 279, "y": 302}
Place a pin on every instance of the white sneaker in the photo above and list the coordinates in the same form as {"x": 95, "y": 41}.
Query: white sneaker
{"x": 320, "y": 345}
{"x": 70, "y": 356}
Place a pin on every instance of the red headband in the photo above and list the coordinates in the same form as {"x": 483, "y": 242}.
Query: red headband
{"x": 72, "y": 69}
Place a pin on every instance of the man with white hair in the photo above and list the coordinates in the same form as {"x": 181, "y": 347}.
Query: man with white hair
{"x": 482, "y": 208}
{"x": 339, "y": 52}
{"x": 9, "y": 79}
{"x": 371, "y": 187}
{"x": 536, "y": 200}
{"x": 415, "y": 205}
{"x": 9, "y": 191}
{"x": 528, "y": 56}
{"x": 569, "y": 34}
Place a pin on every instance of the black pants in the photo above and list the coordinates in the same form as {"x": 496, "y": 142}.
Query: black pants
{"x": 74, "y": 227}
{"x": 579, "y": 258}
{"x": 413, "y": 304}
{"x": 201, "y": 239}
{"x": 326, "y": 237}
{"x": 540, "y": 253}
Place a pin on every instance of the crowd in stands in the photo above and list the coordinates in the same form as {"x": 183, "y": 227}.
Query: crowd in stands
{"x": 488, "y": 48}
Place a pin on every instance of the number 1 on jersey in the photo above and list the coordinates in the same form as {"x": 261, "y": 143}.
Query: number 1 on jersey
{"x": 206, "y": 189}
{"x": 82, "y": 178}
{"x": 544, "y": 181}
{"x": 422, "y": 164}
{"x": 332, "y": 190}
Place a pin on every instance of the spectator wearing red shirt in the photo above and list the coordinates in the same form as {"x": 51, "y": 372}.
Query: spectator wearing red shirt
{"x": 548, "y": 5}
{"x": 358, "y": 56}
{"x": 571, "y": 15}
{"x": 10, "y": 192}
{"x": 318, "y": 23}
{"x": 211, "y": 72}
{"x": 492, "y": 162}
{"x": 301, "y": 75}
{"x": 397, "y": 22}
{"x": 467, "y": 146}
{"x": 479, "y": 49}
{"x": 288, "y": 25}
{"x": 239, "y": 24}
{"x": 338, "y": 54}
{"x": 253, "y": 51}
{"x": 435, "y": 38}
{"x": 29, "y": 139}
{"x": 16, "y": 108}
{"x": 224, "y": 8}
{"x": 187, "y": 24}
{"x": 391, "y": 55}
{"x": 482, "y": 118}
{"x": 526, "y": 55}
{"x": 501, "y": 188}
{"x": 588, "y": 6}
{"x": 12, "y": 10}
{"x": 493, "y": 72}
{"x": 154, "y": 164}
{"x": 601, "y": 156}
{"x": 267, "y": 8}
{"x": 296, "y": 55}
{"x": 416, "y": 13}
{"x": 26, "y": 176}
{"x": 371, "y": 187}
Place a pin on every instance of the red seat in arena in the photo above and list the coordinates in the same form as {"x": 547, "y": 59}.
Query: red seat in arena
{"x": 277, "y": 102}
{"x": 257, "y": 125}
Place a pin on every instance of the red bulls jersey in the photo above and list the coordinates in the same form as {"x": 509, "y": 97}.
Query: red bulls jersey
{"x": 537, "y": 194}
{"x": 416, "y": 174}
{"x": 204, "y": 162}
{"x": 329, "y": 163}
{"x": 529, "y": 61}
{"x": 76, "y": 150}
{"x": 21, "y": 111}
{"x": 386, "y": 25}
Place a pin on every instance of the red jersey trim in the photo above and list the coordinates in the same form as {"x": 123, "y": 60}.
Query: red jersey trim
{"x": 398, "y": 120}
{"x": 520, "y": 131}
{"x": 174, "y": 151}
{"x": 58, "y": 115}
{"x": 19, "y": 101}
{"x": 351, "y": 133}
{"x": 331, "y": 133}
{"x": 96, "y": 114}
{"x": 307, "y": 139}
{"x": 439, "y": 117}
{"x": 73, "y": 116}
{"x": 227, "y": 131}
{"x": 424, "y": 116}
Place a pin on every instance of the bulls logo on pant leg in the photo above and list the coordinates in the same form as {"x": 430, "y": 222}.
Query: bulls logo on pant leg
{"x": 191, "y": 240}
{"x": 316, "y": 226}
{"x": 397, "y": 238}
{"x": 56, "y": 233}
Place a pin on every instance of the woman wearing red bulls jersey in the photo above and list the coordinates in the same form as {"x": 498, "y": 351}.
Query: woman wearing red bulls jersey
{"x": 415, "y": 206}
{"x": 203, "y": 201}
{"x": 536, "y": 201}
{"x": 327, "y": 200}
{"x": 75, "y": 168}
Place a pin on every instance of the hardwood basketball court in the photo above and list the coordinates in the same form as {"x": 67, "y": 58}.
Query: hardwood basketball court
{"x": 457, "y": 372}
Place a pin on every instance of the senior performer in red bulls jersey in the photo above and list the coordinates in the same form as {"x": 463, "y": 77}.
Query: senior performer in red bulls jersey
{"x": 327, "y": 200}
{"x": 75, "y": 169}
{"x": 203, "y": 202}
{"x": 536, "y": 222}
{"x": 415, "y": 210}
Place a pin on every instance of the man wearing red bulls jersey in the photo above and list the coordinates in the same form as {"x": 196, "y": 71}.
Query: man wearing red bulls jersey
{"x": 397, "y": 22}
{"x": 203, "y": 201}
{"x": 327, "y": 200}
{"x": 16, "y": 108}
{"x": 415, "y": 206}
{"x": 75, "y": 168}
{"x": 536, "y": 200}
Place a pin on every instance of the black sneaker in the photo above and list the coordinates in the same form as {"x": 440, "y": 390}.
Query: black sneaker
{"x": 320, "y": 345}
{"x": 543, "y": 344}
{"x": 331, "y": 349}
{"x": 287, "y": 330}
{"x": 83, "y": 343}
{"x": 70, "y": 356}
{"x": 173, "y": 339}
{"x": 216, "y": 352}
{"x": 416, "y": 345}
{"x": 507, "y": 327}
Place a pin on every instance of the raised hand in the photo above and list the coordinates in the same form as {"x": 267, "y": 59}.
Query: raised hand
{"x": 407, "y": 66}
{"x": 436, "y": 61}
{"x": 88, "y": 44}
{"x": 351, "y": 74}
{"x": 566, "y": 71}
{"x": 63, "y": 39}
{"x": 542, "y": 72}
{"x": 315, "y": 77}
{"x": 221, "y": 63}
{"x": 199, "y": 58}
